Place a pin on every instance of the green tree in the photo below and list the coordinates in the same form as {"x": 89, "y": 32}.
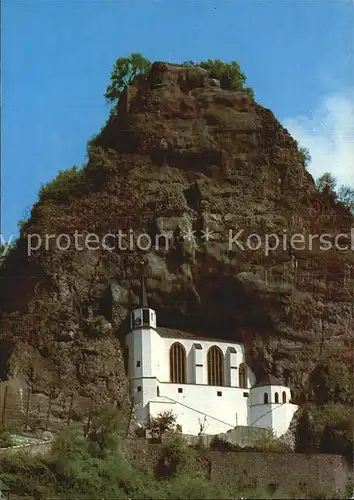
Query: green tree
{"x": 332, "y": 383}
{"x": 327, "y": 182}
{"x": 162, "y": 423}
{"x": 108, "y": 425}
{"x": 333, "y": 425}
{"x": 305, "y": 441}
{"x": 327, "y": 441}
{"x": 306, "y": 156}
{"x": 124, "y": 72}
{"x": 230, "y": 75}
{"x": 346, "y": 196}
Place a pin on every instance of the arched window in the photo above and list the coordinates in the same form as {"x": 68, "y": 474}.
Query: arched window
{"x": 284, "y": 397}
{"x": 242, "y": 376}
{"x": 265, "y": 398}
{"x": 178, "y": 373}
{"x": 276, "y": 396}
{"x": 215, "y": 366}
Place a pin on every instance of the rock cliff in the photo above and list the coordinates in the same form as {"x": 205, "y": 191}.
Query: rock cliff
{"x": 181, "y": 154}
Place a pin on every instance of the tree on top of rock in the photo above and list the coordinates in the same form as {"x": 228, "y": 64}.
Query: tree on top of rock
{"x": 126, "y": 69}
{"x": 124, "y": 72}
{"x": 230, "y": 75}
{"x": 327, "y": 184}
{"x": 346, "y": 196}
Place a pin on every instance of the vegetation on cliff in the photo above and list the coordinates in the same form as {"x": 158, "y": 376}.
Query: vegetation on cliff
{"x": 327, "y": 184}
{"x": 102, "y": 464}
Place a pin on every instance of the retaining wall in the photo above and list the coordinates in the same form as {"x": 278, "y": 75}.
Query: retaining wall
{"x": 291, "y": 473}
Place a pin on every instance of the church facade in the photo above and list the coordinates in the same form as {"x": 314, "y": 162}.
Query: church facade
{"x": 205, "y": 383}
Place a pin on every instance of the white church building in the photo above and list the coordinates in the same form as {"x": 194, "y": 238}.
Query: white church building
{"x": 201, "y": 381}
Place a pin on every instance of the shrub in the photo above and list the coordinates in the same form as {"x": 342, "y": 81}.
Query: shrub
{"x": 230, "y": 75}
{"x": 97, "y": 326}
{"x": 333, "y": 427}
{"x": 107, "y": 428}
{"x": 5, "y": 440}
{"x": 101, "y": 166}
{"x": 346, "y": 196}
{"x": 219, "y": 444}
{"x": 27, "y": 475}
{"x": 270, "y": 443}
{"x": 305, "y": 156}
{"x": 332, "y": 383}
{"x": 67, "y": 183}
{"x": 305, "y": 440}
{"x": 163, "y": 422}
{"x": 185, "y": 486}
{"x": 176, "y": 454}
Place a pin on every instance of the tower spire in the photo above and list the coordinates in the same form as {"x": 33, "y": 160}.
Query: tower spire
{"x": 143, "y": 287}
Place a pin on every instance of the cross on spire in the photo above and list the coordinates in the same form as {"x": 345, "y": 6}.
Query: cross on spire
{"x": 143, "y": 297}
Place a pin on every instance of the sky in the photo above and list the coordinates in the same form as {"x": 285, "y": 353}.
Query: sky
{"x": 57, "y": 56}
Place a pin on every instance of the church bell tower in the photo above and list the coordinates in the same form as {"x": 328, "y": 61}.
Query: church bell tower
{"x": 143, "y": 316}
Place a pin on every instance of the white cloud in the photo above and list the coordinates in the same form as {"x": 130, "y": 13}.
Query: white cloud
{"x": 328, "y": 132}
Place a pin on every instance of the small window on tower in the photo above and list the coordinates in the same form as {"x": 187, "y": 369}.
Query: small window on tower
{"x": 146, "y": 316}
{"x": 138, "y": 388}
{"x": 180, "y": 389}
{"x": 137, "y": 322}
{"x": 138, "y": 364}
{"x": 219, "y": 393}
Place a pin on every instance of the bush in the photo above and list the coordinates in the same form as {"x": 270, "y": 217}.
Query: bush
{"x": 97, "y": 326}
{"x": 219, "y": 444}
{"x": 163, "y": 422}
{"x": 332, "y": 383}
{"x": 67, "y": 183}
{"x": 183, "y": 486}
{"x": 176, "y": 453}
{"x": 305, "y": 440}
{"x": 101, "y": 166}
{"x": 333, "y": 427}
{"x": 305, "y": 156}
{"x": 265, "y": 444}
{"x": 230, "y": 75}
{"x": 5, "y": 440}
{"x": 27, "y": 475}
{"x": 107, "y": 428}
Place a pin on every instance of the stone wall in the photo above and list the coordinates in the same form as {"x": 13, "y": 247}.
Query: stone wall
{"x": 281, "y": 472}
{"x": 288, "y": 473}
{"x": 240, "y": 436}
{"x": 246, "y": 436}
{"x": 32, "y": 449}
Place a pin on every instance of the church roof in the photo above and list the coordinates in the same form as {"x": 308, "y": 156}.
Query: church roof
{"x": 179, "y": 334}
{"x": 268, "y": 380}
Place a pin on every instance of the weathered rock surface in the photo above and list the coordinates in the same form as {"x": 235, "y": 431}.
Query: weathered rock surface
{"x": 181, "y": 154}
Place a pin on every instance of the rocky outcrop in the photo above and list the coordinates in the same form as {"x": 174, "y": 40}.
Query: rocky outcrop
{"x": 182, "y": 154}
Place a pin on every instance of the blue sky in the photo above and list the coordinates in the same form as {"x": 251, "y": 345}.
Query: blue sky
{"x": 57, "y": 56}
